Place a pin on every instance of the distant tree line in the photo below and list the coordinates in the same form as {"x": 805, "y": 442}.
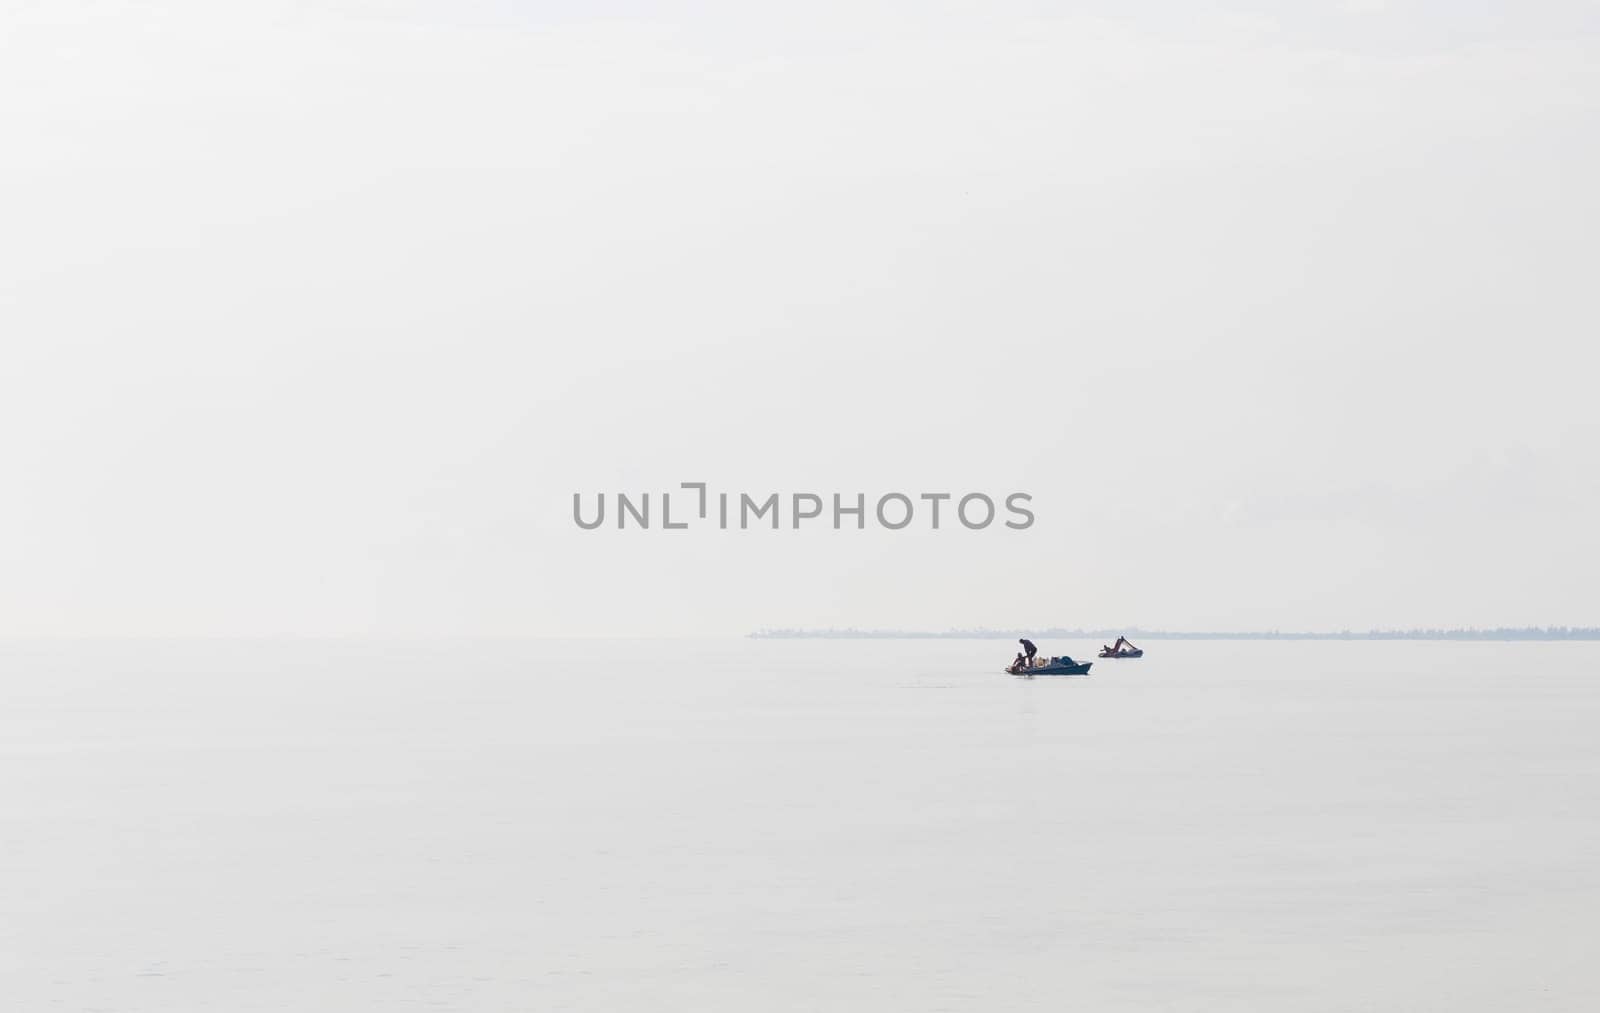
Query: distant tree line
{"x": 1462, "y": 633}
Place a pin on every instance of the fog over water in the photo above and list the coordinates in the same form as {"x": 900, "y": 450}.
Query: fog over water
{"x": 736, "y": 825}
{"x": 316, "y": 316}
{"x": 318, "y": 319}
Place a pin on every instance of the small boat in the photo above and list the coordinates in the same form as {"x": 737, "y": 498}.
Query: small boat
{"x": 1124, "y": 653}
{"x": 1050, "y": 666}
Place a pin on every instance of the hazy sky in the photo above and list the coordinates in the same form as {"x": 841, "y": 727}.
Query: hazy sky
{"x": 313, "y": 316}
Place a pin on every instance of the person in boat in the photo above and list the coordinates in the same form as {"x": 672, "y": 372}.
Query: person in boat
{"x": 1030, "y": 650}
{"x": 1019, "y": 663}
{"x": 1123, "y": 646}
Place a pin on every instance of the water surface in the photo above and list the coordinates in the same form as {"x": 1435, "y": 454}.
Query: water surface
{"x": 797, "y": 825}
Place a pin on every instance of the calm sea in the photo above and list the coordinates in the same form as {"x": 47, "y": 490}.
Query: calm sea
{"x": 797, "y": 826}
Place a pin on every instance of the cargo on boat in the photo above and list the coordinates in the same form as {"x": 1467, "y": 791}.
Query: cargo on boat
{"x": 1038, "y": 665}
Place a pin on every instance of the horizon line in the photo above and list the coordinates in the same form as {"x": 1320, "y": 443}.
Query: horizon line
{"x": 980, "y": 633}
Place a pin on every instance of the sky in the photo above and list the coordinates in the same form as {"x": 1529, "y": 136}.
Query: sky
{"x": 314, "y": 317}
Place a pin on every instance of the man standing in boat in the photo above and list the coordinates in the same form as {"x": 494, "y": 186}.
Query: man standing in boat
{"x": 1029, "y": 650}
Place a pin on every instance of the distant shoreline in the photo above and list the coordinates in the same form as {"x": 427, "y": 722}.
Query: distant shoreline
{"x": 1134, "y": 633}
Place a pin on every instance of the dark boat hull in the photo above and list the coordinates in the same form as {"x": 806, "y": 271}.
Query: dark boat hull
{"x": 1080, "y": 668}
{"x": 1135, "y": 653}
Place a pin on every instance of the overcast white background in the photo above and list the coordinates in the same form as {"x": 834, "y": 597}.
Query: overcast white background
{"x": 314, "y": 316}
